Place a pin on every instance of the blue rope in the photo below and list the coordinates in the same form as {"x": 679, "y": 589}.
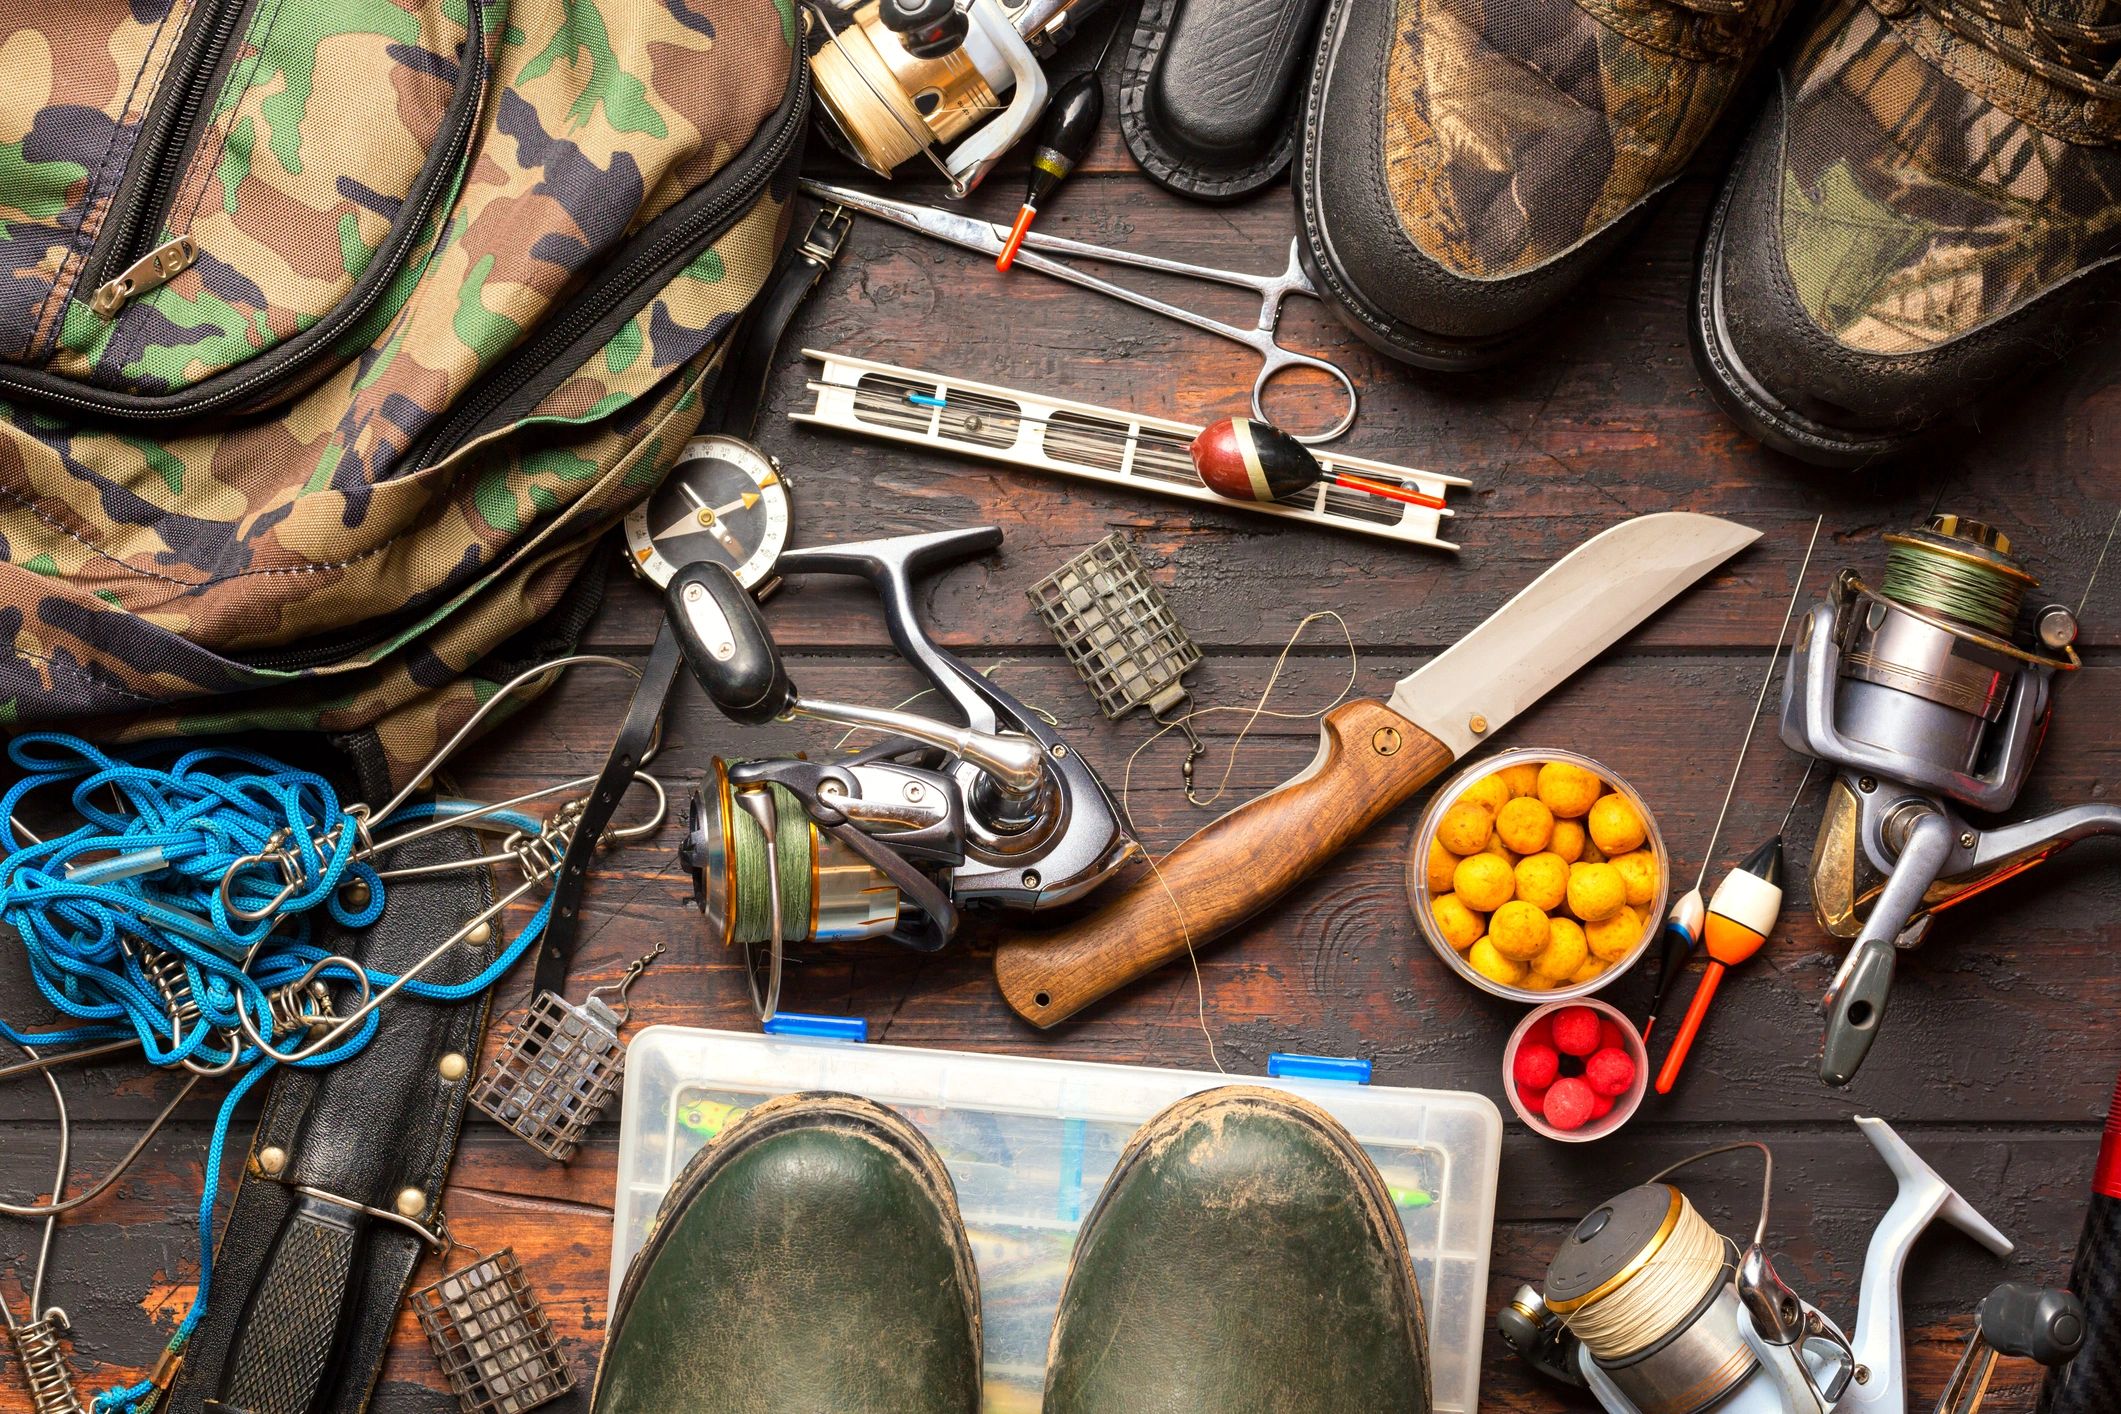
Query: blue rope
{"x": 150, "y": 870}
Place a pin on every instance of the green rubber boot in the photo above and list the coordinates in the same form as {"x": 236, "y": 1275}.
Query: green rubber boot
{"x": 810, "y": 1260}
{"x": 1244, "y": 1257}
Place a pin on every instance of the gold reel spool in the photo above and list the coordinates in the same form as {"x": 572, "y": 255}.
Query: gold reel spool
{"x": 888, "y": 106}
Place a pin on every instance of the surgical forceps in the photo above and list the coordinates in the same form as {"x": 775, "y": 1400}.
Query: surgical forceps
{"x": 1273, "y": 290}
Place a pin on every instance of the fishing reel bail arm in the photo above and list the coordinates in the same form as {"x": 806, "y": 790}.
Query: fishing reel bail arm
{"x": 1756, "y": 1343}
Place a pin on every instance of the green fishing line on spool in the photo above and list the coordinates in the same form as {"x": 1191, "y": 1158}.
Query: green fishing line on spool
{"x": 747, "y": 858}
{"x": 1965, "y": 586}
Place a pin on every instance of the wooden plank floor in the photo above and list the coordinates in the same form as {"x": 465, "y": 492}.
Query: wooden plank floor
{"x": 2000, "y": 1050}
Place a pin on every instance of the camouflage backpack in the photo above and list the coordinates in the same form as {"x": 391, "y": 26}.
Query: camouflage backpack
{"x": 333, "y": 333}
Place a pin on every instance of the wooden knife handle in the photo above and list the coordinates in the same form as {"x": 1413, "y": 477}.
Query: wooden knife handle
{"x": 1370, "y": 759}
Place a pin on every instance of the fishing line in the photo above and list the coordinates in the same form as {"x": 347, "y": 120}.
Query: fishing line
{"x": 1767, "y": 680}
{"x": 1258, "y": 710}
{"x": 1659, "y": 1297}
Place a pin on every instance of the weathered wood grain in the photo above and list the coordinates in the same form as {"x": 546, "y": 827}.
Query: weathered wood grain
{"x": 1999, "y": 1053}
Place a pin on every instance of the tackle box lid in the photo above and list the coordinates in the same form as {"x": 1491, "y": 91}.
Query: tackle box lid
{"x": 1029, "y": 1143}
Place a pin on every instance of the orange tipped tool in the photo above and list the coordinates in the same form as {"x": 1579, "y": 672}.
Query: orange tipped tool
{"x": 1741, "y": 916}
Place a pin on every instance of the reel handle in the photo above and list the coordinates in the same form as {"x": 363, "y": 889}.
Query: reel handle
{"x": 726, "y": 644}
{"x": 2033, "y": 1322}
{"x": 928, "y": 29}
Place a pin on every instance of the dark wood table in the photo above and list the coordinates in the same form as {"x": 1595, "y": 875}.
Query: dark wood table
{"x": 2000, "y": 1052}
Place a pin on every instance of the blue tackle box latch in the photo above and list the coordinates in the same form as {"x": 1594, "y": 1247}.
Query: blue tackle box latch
{"x": 1289, "y": 1065}
{"x": 826, "y": 1028}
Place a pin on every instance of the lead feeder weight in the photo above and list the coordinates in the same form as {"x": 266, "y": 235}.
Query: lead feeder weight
{"x": 491, "y": 1335}
{"x": 554, "y": 1075}
{"x": 1117, "y": 631}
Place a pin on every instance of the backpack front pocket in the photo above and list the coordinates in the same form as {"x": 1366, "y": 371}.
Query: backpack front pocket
{"x": 290, "y": 164}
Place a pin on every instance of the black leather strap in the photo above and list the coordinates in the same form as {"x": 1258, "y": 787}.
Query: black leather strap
{"x": 750, "y": 364}
{"x": 636, "y": 735}
{"x": 794, "y": 276}
{"x": 306, "y": 1288}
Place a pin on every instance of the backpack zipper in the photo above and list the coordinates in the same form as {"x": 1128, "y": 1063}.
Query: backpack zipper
{"x": 237, "y": 385}
{"x": 666, "y": 240}
{"x": 691, "y": 230}
{"x": 166, "y": 139}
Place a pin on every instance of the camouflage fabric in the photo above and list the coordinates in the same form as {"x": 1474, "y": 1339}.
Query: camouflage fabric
{"x": 1930, "y": 187}
{"x": 297, "y": 569}
{"x": 1517, "y": 129}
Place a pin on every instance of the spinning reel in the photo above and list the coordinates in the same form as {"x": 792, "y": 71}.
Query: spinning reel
{"x": 897, "y": 840}
{"x": 900, "y": 79}
{"x": 1928, "y": 692}
{"x": 1655, "y": 1312}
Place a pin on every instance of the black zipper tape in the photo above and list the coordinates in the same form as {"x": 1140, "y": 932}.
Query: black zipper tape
{"x": 650, "y": 261}
{"x": 254, "y": 383}
{"x": 167, "y": 138}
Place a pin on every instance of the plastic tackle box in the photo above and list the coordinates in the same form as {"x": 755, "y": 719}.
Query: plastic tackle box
{"x": 1029, "y": 1144}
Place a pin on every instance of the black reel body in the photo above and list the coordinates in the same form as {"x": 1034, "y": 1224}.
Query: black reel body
{"x": 896, "y": 841}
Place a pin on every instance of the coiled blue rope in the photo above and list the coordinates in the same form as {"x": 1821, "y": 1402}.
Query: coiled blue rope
{"x": 146, "y": 867}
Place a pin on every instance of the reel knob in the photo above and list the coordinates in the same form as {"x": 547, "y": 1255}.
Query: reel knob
{"x": 926, "y": 29}
{"x": 727, "y": 646}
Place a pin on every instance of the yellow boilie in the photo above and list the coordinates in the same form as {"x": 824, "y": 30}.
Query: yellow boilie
{"x": 1543, "y": 881}
{"x": 1518, "y": 930}
{"x": 1596, "y": 891}
{"x": 1460, "y": 925}
{"x": 1568, "y": 789}
{"x": 1615, "y": 826}
{"x": 1484, "y": 882}
{"x": 1525, "y": 825}
{"x": 1466, "y": 827}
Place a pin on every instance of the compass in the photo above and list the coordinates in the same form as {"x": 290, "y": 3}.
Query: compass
{"x": 725, "y": 501}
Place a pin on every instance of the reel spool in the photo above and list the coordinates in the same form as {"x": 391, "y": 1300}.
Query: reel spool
{"x": 895, "y": 83}
{"x": 1645, "y": 1283}
{"x": 1929, "y": 660}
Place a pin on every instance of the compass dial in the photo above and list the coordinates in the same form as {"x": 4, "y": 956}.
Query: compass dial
{"x": 725, "y": 501}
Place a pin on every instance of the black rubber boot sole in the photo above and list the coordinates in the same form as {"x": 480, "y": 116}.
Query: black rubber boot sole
{"x": 1757, "y": 412}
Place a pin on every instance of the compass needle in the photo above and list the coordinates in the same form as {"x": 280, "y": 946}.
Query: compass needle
{"x": 724, "y": 502}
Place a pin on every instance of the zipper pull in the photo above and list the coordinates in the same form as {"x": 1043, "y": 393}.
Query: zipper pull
{"x": 151, "y": 271}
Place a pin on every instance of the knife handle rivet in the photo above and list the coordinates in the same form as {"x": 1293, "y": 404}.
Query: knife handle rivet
{"x": 1385, "y": 741}
{"x": 1477, "y": 724}
{"x": 272, "y": 1160}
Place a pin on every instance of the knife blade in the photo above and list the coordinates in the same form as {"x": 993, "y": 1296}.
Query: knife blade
{"x": 1372, "y": 756}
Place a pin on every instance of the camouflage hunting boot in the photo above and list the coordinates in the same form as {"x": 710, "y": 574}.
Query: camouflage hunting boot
{"x": 1244, "y": 1257}
{"x": 1929, "y": 204}
{"x": 1466, "y": 163}
{"x": 810, "y": 1260}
